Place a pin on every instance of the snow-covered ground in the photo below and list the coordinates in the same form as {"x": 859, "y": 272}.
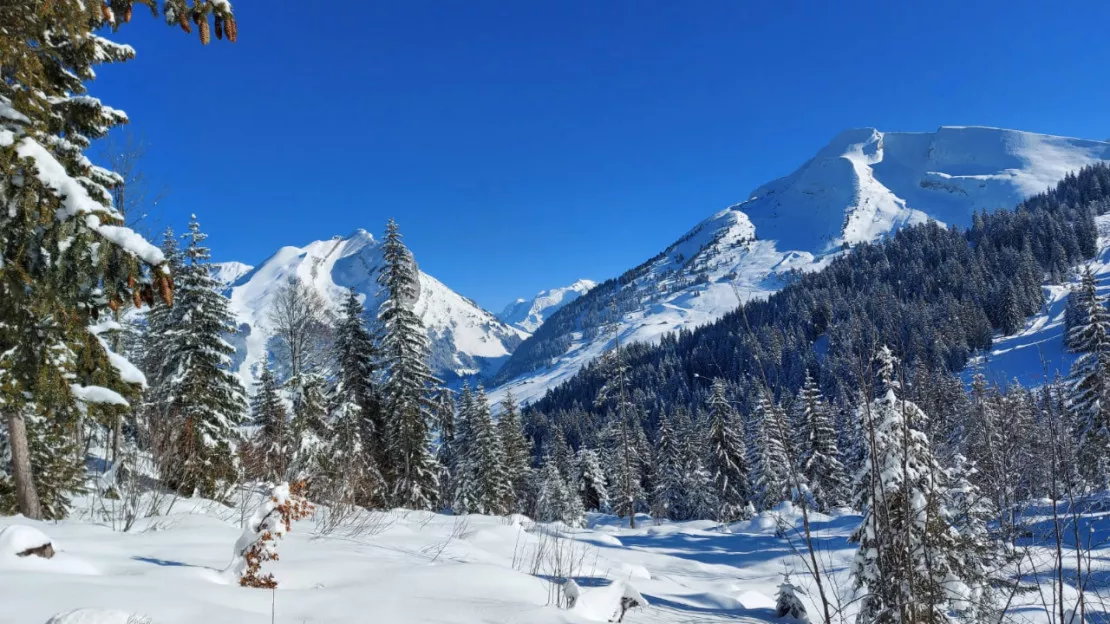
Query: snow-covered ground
{"x": 862, "y": 186}
{"x": 415, "y": 567}
{"x": 1037, "y": 351}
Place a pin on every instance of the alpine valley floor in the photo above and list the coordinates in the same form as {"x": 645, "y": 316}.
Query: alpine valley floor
{"x": 415, "y": 567}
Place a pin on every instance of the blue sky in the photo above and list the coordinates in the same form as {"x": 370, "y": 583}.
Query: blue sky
{"x": 523, "y": 145}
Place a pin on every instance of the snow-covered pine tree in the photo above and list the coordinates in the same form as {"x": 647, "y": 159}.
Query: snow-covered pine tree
{"x": 270, "y": 450}
{"x": 562, "y": 453}
{"x": 518, "y": 451}
{"x": 352, "y": 468}
{"x": 728, "y": 458}
{"x": 491, "y": 489}
{"x": 788, "y": 601}
{"x": 697, "y": 483}
{"x": 461, "y": 470}
{"x": 1089, "y": 393}
{"x": 591, "y": 481}
{"x": 203, "y": 396}
{"x": 407, "y": 378}
{"x": 820, "y": 459}
{"x": 443, "y": 414}
{"x": 67, "y": 257}
{"x": 667, "y": 494}
{"x": 771, "y": 467}
{"x": 913, "y": 563}
{"x": 626, "y": 460}
{"x": 311, "y": 430}
{"x": 554, "y": 500}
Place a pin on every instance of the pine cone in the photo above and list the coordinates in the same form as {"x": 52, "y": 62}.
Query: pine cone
{"x": 148, "y": 294}
{"x": 114, "y": 305}
{"x": 184, "y": 23}
{"x": 219, "y": 27}
{"x": 232, "y": 29}
{"x": 106, "y": 13}
{"x": 127, "y": 14}
{"x": 165, "y": 287}
{"x": 205, "y": 37}
{"x": 136, "y": 298}
{"x": 131, "y": 281}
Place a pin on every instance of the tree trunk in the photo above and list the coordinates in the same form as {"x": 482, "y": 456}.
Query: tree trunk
{"x": 25, "y": 495}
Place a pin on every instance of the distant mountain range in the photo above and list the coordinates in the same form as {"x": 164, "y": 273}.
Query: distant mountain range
{"x": 863, "y": 185}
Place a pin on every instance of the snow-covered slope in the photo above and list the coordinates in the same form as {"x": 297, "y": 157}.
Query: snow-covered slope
{"x": 465, "y": 338}
{"x": 227, "y": 273}
{"x": 863, "y": 185}
{"x": 1038, "y": 349}
{"x": 529, "y": 314}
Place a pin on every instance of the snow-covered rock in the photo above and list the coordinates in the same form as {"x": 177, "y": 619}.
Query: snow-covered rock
{"x": 465, "y": 339}
{"x": 865, "y": 184}
{"x": 529, "y": 314}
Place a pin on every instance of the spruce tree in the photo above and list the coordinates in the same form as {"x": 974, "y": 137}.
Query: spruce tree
{"x": 591, "y": 481}
{"x": 771, "y": 467}
{"x": 352, "y": 469}
{"x": 728, "y": 461}
{"x": 407, "y": 379}
{"x": 916, "y": 562}
{"x": 1089, "y": 394}
{"x": 555, "y": 502}
{"x": 66, "y": 259}
{"x": 518, "y": 451}
{"x": 356, "y": 374}
{"x": 491, "y": 488}
{"x": 311, "y": 429}
{"x": 204, "y": 398}
{"x": 665, "y": 498}
{"x": 445, "y": 426}
{"x": 626, "y": 455}
{"x": 820, "y": 459}
{"x": 271, "y": 448}
{"x": 461, "y": 470}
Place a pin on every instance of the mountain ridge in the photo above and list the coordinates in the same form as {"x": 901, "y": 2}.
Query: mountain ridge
{"x": 863, "y": 185}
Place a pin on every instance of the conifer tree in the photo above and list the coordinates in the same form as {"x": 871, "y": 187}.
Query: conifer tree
{"x": 626, "y": 460}
{"x": 914, "y": 564}
{"x": 356, "y": 386}
{"x": 407, "y": 378}
{"x": 820, "y": 459}
{"x": 667, "y": 493}
{"x": 591, "y": 481}
{"x": 271, "y": 448}
{"x": 352, "y": 468}
{"x": 728, "y": 461}
{"x": 444, "y": 418}
{"x": 310, "y": 428}
{"x": 66, "y": 259}
{"x": 554, "y": 500}
{"x": 771, "y": 466}
{"x": 562, "y": 454}
{"x": 1089, "y": 394}
{"x": 459, "y": 452}
{"x": 204, "y": 397}
{"x": 491, "y": 489}
{"x": 518, "y": 451}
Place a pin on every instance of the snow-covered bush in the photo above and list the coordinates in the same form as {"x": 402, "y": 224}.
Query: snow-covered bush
{"x": 258, "y": 542}
{"x": 20, "y": 541}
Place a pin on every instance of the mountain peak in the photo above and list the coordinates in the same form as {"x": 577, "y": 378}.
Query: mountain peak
{"x": 529, "y": 314}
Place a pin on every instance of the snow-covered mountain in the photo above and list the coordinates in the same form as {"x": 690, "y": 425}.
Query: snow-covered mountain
{"x": 863, "y": 185}
{"x": 465, "y": 339}
{"x": 529, "y": 314}
{"x": 227, "y": 273}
